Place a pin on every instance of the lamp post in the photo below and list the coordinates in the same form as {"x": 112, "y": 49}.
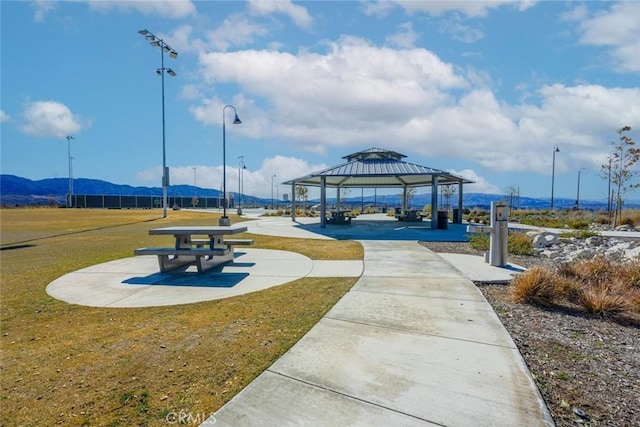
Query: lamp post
{"x": 158, "y": 42}
{"x": 553, "y": 171}
{"x": 274, "y": 175}
{"x": 241, "y": 166}
{"x": 236, "y": 121}
{"x": 70, "y": 197}
{"x": 578, "y": 191}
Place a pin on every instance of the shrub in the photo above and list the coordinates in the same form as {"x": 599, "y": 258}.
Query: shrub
{"x": 534, "y": 286}
{"x": 604, "y": 300}
{"x": 479, "y": 241}
{"x": 520, "y": 244}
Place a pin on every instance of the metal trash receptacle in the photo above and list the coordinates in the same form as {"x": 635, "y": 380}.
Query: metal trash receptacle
{"x": 443, "y": 220}
{"x": 456, "y": 216}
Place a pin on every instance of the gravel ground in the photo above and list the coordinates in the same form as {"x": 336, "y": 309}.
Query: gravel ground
{"x": 587, "y": 368}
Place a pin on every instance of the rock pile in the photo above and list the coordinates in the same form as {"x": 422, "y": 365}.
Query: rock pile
{"x": 568, "y": 249}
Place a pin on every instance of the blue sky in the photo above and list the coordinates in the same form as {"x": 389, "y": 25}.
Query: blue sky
{"x": 482, "y": 89}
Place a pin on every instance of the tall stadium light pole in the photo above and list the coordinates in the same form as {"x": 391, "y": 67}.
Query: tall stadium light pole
{"x": 274, "y": 175}
{"x": 70, "y": 197}
{"x": 578, "y": 190}
{"x": 553, "y": 171}
{"x": 236, "y": 121}
{"x": 164, "y": 48}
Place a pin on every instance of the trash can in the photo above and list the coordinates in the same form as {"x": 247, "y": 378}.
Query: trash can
{"x": 443, "y": 220}
{"x": 456, "y": 216}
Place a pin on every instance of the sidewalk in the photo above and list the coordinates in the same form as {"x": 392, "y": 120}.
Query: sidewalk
{"x": 413, "y": 343}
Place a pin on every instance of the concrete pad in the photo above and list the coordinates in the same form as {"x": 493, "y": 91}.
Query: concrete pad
{"x": 464, "y": 320}
{"x": 343, "y": 268}
{"x": 442, "y": 380}
{"x": 295, "y": 403}
{"x": 458, "y": 288}
{"x": 137, "y": 282}
{"x": 392, "y": 267}
{"x": 477, "y": 270}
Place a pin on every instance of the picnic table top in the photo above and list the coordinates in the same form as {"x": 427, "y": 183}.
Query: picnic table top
{"x": 209, "y": 230}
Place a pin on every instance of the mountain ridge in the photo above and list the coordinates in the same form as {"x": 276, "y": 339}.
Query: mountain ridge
{"x": 15, "y": 190}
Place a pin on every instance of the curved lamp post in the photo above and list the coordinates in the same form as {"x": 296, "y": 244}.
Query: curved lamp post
{"x": 158, "y": 42}
{"x": 553, "y": 171}
{"x": 236, "y": 121}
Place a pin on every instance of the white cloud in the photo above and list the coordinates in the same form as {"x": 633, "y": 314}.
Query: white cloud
{"x": 166, "y": 8}
{"x": 4, "y": 117}
{"x": 51, "y": 119}
{"x": 236, "y": 30}
{"x": 354, "y": 85}
{"x": 481, "y": 185}
{"x": 405, "y": 37}
{"x": 468, "y": 8}
{"x": 459, "y": 31}
{"x": 298, "y": 14}
{"x": 616, "y": 28}
{"x": 42, "y": 7}
{"x": 357, "y": 95}
{"x": 254, "y": 182}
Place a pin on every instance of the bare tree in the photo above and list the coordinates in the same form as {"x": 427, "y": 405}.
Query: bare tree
{"x": 620, "y": 171}
{"x": 301, "y": 194}
{"x": 513, "y": 193}
{"x": 447, "y": 192}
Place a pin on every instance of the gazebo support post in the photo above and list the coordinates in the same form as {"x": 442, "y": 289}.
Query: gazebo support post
{"x": 460, "y": 194}
{"x": 323, "y": 202}
{"x": 404, "y": 199}
{"x": 434, "y": 203}
{"x": 293, "y": 202}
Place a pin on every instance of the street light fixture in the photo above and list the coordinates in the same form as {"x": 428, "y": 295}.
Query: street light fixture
{"x": 274, "y": 175}
{"x": 578, "y": 191}
{"x": 224, "y": 220}
{"x": 553, "y": 171}
{"x": 70, "y": 198}
{"x": 158, "y": 42}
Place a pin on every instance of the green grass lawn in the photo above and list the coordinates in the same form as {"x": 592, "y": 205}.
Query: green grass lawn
{"x": 75, "y": 365}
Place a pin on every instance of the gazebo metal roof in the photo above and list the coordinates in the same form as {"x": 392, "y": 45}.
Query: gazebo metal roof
{"x": 379, "y": 168}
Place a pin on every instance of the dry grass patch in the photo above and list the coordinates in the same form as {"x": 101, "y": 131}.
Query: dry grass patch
{"x": 535, "y": 286}
{"x": 604, "y": 300}
{"x": 597, "y": 286}
{"x": 74, "y": 365}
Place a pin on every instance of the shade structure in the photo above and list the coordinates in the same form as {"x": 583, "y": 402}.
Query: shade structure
{"x": 379, "y": 168}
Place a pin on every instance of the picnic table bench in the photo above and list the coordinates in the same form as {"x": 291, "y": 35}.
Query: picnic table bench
{"x": 204, "y": 253}
{"x": 410, "y": 215}
{"x": 340, "y": 217}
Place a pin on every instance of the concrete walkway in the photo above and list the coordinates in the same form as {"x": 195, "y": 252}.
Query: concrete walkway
{"x": 413, "y": 343}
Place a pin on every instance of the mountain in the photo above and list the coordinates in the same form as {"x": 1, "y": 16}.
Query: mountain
{"x": 17, "y": 191}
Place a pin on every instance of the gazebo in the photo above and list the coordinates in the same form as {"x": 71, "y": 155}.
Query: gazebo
{"x": 378, "y": 168}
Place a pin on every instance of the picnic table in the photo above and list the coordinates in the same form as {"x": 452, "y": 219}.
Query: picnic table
{"x": 205, "y": 253}
{"x": 340, "y": 217}
{"x": 410, "y": 215}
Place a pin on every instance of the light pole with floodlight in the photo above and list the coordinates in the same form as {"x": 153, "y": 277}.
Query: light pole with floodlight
{"x": 553, "y": 171}
{"x": 274, "y": 175}
{"x": 70, "y": 198}
{"x": 158, "y": 42}
{"x": 224, "y": 220}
